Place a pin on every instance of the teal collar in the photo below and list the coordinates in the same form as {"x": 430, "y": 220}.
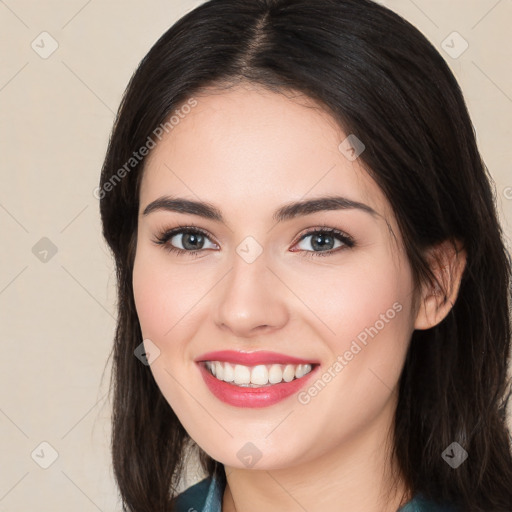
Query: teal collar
{"x": 206, "y": 496}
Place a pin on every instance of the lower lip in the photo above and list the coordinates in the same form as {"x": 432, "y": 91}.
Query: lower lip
{"x": 252, "y": 397}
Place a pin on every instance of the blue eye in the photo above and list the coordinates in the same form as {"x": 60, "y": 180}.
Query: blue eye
{"x": 192, "y": 240}
{"x": 325, "y": 241}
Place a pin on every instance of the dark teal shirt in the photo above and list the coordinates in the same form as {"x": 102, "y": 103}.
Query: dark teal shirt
{"x": 206, "y": 496}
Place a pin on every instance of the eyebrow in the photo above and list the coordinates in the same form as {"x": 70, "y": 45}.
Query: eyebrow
{"x": 286, "y": 212}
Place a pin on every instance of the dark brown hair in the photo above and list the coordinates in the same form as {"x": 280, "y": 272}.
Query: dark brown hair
{"x": 381, "y": 80}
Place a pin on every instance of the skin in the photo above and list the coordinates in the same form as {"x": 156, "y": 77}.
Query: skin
{"x": 249, "y": 151}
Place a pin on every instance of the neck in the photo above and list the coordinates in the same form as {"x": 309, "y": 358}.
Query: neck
{"x": 359, "y": 475}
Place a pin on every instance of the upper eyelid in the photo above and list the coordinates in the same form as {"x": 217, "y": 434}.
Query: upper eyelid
{"x": 167, "y": 234}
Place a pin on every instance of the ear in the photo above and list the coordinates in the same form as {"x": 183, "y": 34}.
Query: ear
{"x": 447, "y": 261}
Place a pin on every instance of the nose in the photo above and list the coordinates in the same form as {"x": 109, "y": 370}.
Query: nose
{"x": 251, "y": 300}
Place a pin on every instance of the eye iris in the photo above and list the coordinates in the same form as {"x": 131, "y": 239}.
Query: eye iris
{"x": 322, "y": 241}
{"x": 192, "y": 241}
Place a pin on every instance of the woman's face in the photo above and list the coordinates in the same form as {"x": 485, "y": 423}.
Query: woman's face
{"x": 339, "y": 301}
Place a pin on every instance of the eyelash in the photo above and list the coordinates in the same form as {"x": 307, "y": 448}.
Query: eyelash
{"x": 164, "y": 237}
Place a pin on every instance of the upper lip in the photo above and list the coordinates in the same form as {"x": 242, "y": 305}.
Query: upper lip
{"x": 251, "y": 358}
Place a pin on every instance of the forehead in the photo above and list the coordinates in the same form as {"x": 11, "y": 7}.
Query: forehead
{"x": 248, "y": 147}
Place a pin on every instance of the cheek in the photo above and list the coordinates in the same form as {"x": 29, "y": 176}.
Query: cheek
{"x": 164, "y": 294}
{"x": 148, "y": 293}
{"x": 364, "y": 317}
{"x": 352, "y": 298}
{"x": 163, "y": 300}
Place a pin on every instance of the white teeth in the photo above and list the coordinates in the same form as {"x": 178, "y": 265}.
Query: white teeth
{"x": 242, "y": 374}
{"x": 275, "y": 374}
{"x": 229, "y": 373}
{"x": 219, "y": 370}
{"x": 289, "y": 373}
{"x": 257, "y": 376}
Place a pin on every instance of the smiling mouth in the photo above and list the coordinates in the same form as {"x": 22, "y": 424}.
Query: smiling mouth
{"x": 257, "y": 376}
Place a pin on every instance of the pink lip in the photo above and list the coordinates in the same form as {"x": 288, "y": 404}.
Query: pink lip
{"x": 251, "y": 358}
{"x": 252, "y": 397}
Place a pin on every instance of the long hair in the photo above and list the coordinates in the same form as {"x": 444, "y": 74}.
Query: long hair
{"x": 382, "y": 81}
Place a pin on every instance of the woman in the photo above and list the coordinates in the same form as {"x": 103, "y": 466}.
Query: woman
{"x": 313, "y": 287}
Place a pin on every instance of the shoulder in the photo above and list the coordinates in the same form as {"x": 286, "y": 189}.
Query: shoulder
{"x": 204, "y": 496}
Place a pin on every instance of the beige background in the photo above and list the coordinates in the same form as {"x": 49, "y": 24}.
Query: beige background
{"x": 57, "y": 316}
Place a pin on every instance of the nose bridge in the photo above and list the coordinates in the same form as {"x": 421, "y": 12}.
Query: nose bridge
{"x": 249, "y": 265}
{"x": 251, "y": 296}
